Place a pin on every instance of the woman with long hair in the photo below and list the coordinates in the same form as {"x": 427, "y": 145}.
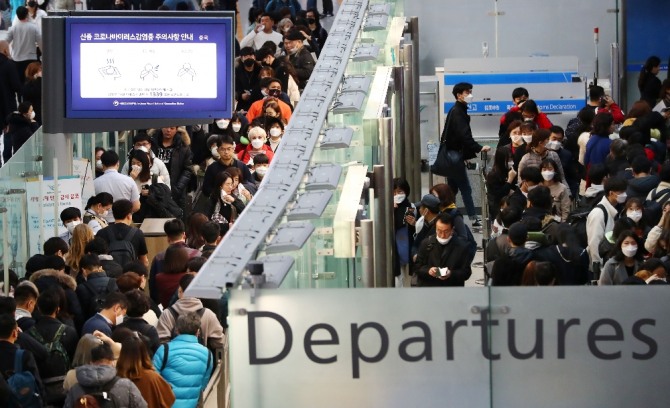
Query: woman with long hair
{"x": 648, "y": 82}
{"x": 81, "y": 236}
{"x": 598, "y": 146}
{"x": 135, "y": 364}
{"x": 140, "y": 168}
{"x": 174, "y": 267}
{"x": 559, "y": 192}
{"x": 194, "y": 238}
{"x": 536, "y": 151}
{"x": 224, "y": 206}
{"x": 625, "y": 261}
{"x": 32, "y": 89}
{"x": 500, "y": 180}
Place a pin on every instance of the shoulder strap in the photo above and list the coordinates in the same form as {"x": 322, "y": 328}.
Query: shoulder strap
{"x": 110, "y": 384}
{"x": 656, "y": 194}
{"x": 201, "y": 311}
{"x": 605, "y": 212}
{"x": 18, "y": 361}
{"x": 59, "y": 333}
{"x": 154, "y": 179}
{"x": 446, "y": 126}
{"x": 174, "y": 313}
{"x": 166, "y": 350}
{"x": 130, "y": 234}
{"x": 36, "y": 335}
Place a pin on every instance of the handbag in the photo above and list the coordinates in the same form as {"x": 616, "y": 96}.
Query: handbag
{"x": 448, "y": 163}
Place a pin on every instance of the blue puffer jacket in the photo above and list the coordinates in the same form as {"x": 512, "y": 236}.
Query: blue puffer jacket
{"x": 188, "y": 368}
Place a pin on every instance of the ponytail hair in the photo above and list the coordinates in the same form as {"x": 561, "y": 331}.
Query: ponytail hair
{"x": 103, "y": 198}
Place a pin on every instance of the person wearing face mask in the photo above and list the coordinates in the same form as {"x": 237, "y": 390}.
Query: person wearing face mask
{"x": 142, "y": 142}
{"x": 97, "y": 209}
{"x": 98, "y": 161}
{"x": 508, "y": 269}
{"x": 457, "y": 136}
{"x": 319, "y": 34}
{"x": 560, "y": 194}
{"x": 246, "y": 78}
{"x": 571, "y": 167}
{"x": 529, "y": 179}
{"x": 275, "y": 129}
{"x": 261, "y": 165}
{"x": 536, "y": 151}
{"x": 442, "y": 258}
{"x": 601, "y": 219}
{"x": 299, "y": 56}
{"x": 519, "y": 96}
{"x": 257, "y": 138}
{"x": 71, "y": 217}
{"x": 113, "y": 309}
{"x": 634, "y": 211}
{"x": 280, "y": 66}
{"x": 226, "y": 149}
{"x": 21, "y": 126}
{"x": 625, "y": 262}
{"x": 531, "y": 113}
{"x": 403, "y": 211}
{"x": 500, "y": 181}
{"x": 271, "y": 90}
{"x": 424, "y": 226}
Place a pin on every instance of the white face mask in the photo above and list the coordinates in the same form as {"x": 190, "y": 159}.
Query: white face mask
{"x": 215, "y": 153}
{"x": 510, "y": 164}
{"x": 548, "y": 175}
{"x": 98, "y": 164}
{"x": 530, "y": 188}
{"x": 468, "y": 98}
{"x": 399, "y": 198}
{"x": 261, "y": 171}
{"x": 256, "y": 143}
{"x": 223, "y": 194}
{"x": 635, "y": 215}
{"x": 119, "y": 320}
{"x": 527, "y": 138}
{"x": 419, "y": 224}
{"x": 621, "y": 198}
{"x": 104, "y": 213}
{"x": 629, "y": 250}
{"x": 237, "y": 127}
{"x": 222, "y": 123}
{"x": 32, "y": 115}
{"x": 528, "y": 119}
{"x": 70, "y": 226}
{"x": 275, "y": 132}
{"x": 496, "y": 229}
{"x": 444, "y": 241}
{"x": 553, "y": 145}
{"x": 136, "y": 168}
{"x": 516, "y": 139}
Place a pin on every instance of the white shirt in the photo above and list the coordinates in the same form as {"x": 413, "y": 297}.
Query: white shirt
{"x": 24, "y": 38}
{"x": 256, "y": 40}
{"x": 118, "y": 185}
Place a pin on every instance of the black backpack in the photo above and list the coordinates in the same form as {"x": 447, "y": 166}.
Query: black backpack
{"x": 577, "y": 220}
{"x": 23, "y": 385}
{"x": 98, "y": 298}
{"x": 58, "y": 363}
{"x": 653, "y": 208}
{"x": 123, "y": 250}
{"x": 175, "y": 315}
{"x": 103, "y": 395}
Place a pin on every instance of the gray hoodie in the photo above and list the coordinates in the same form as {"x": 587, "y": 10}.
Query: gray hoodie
{"x": 91, "y": 377}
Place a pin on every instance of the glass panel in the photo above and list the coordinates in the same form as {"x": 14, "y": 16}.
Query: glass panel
{"x": 579, "y": 346}
{"x": 358, "y": 348}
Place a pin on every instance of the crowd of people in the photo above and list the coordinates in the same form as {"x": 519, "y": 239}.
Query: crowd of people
{"x": 584, "y": 205}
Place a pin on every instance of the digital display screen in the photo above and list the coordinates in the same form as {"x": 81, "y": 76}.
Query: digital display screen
{"x": 149, "y": 67}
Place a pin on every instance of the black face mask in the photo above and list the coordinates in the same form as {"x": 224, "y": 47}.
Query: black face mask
{"x": 274, "y": 92}
{"x": 209, "y": 7}
{"x": 249, "y": 63}
{"x": 311, "y": 21}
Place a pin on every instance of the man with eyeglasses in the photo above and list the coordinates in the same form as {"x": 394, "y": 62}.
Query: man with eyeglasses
{"x": 271, "y": 88}
{"x": 225, "y": 145}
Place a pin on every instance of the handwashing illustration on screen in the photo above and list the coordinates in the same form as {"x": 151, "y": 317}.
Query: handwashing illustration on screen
{"x": 109, "y": 70}
{"x": 149, "y": 71}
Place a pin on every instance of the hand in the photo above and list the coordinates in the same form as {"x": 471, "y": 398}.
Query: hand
{"x": 144, "y": 192}
{"x": 511, "y": 176}
{"x": 608, "y": 101}
{"x": 259, "y": 27}
{"x": 229, "y": 199}
{"x": 410, "y": 220}
{"x": 485, "y": 149}
{"x": 134, "y": 173}
{"x": 434, "y": 272}
{"x": 245, "y": 96}
{"x": 102, "y": 336}
{"x": 246, "y": 194}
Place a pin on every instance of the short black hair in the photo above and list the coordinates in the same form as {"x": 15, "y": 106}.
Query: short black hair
{"x": 7, "y": 320}
{"x": 531, "y": 173}
{"x": 519, "y": 92}
{"x": 24, "y": 107}
{"x": 261, "y": 158}
{"x": 210, "y": 231}
{"x": 641, "y": 164}
{"x": 664, "y": 174}
{"x": 70, "y": 213}
{"x": 615, "y": 184}
{"x": 142, "y": 137}
{"x": 244, "y": 51}
{"x": 601, "y": 123}
{"x": 102, "y": 352}
{"x": 445, "y": 218}
{"x": 265, "y": 82}
{"x": 185, "y": 281}
{"x": 89, "y": 261}
{"x": 121, "y": 209}
{"x": 196, "y": 263}
{"x": 138, "y": 303}
{"x": 460, "y": 88}
{"x": 596, "y": 92}
{"x": 510, "y": 215}
{"x": 557, "y": 129}
{"x": 24, "y": 293}
{"x": 22, "y": 12}
{"x": 115, "y": 298}
{"x": 540, "y": 197}
{"x": 225, "y": 139}
{"x": 109, "y": 158}
{"x": 174, "y": 228}
{"x": 597, "y": 173}
{"x": 96, "y": 246}
{"x": 402, "y": 184}
{"x": 7, "y": 304}
{"x": 54, "y": 262}
{"x": 137, "y": 267}
{"x": 49, "y": 300}
{"x": 263, "y": 53}
{"x": 55, "y": 244}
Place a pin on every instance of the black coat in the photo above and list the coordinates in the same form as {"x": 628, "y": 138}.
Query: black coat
{"x": 10, "y": 85}
{"x": 217, "y": 167}
{"x": 19, "y": 131}
{"x": 141, "y": 326}
{"x": 245, "y": 81}
{"x": 95, "y": 283}
{"x": 48, "y": 277}
{"x": 304, "y": 65}
{"x": 452, "y": 255}
{"x": 32, "y": 92}
{"x": 458, "y": 136}
{"x": 568, "y": 271}
{"x": 179, "y": 165}
{"x": 47, "y": 327}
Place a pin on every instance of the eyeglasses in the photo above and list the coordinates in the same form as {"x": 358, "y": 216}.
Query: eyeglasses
{"x": 226, "y": 149}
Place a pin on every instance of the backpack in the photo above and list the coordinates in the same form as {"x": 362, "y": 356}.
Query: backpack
{"x": 577, "y": 220}
{"x": 103, "y": 395}
{"x": 98, "y": 298}
{"x": 653, "y": 208}
{"x": 160, "y": 201}
{"x": 58, "y": 363}
{"x": 123, "y": 250}
{"x": 469, "y": 239}
{"x": 23, "y": 384}
{"x": 175, "y": 315}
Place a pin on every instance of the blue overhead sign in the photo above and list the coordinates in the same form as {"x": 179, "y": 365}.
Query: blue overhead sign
{"x": 500, "y": 107}
{"x": 510, "y": 78}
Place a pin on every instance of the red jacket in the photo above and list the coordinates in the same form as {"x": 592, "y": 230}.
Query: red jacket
{"x": 244, "y": 156}
{"x": 541, "y": 120}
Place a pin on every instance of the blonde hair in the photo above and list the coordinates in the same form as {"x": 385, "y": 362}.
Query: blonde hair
{"x": 82, "y": 235}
